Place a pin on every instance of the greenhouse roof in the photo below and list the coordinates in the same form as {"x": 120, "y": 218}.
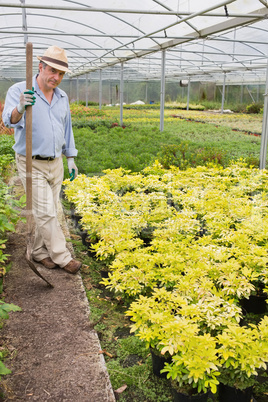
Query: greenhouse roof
{"x": 202, "y": 40}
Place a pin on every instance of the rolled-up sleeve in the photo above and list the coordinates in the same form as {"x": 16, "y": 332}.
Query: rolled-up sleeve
{"x": 11, "y": 101}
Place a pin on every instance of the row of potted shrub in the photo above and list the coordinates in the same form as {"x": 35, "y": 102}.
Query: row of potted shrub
{"x": 9, "y": 216}
{"x": 186, "y": 248}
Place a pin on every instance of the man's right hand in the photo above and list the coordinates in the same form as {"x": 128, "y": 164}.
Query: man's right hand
{"x": 27, "y": 98}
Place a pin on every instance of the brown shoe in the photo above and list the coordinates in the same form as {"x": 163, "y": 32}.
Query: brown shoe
{"x": 47, "y": 262}
{"x": 73, "y": 266}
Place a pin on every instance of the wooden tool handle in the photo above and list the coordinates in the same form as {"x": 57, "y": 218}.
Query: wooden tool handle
{"x": 29, "y": 74}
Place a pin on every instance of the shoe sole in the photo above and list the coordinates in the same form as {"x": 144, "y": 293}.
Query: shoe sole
{"x": 45, "y": 266}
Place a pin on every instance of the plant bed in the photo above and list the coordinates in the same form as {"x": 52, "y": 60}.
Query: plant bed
{"x": 188, "y": 281}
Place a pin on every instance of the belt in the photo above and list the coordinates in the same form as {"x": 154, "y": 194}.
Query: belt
{"x": 40, "y": 158}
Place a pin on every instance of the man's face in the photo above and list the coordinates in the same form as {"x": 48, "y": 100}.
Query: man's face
{"x": 51, "y": 77}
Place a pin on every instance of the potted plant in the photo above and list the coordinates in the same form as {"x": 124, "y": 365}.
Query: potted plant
{"x": 194, "y": 369}
{"x": 242, "y": 352}
{"x": 154, "y": 319}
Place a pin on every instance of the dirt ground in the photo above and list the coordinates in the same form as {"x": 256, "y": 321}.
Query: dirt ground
{"x": 54, "y": 350}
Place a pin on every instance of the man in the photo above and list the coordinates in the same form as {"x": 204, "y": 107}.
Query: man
{"x": 52, "y": 136}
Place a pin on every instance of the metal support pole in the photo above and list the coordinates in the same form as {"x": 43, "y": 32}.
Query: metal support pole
{"x": 100, "y": 90}
{"x": 24, "y": 22}
{"x": 71, "y": 89}
{"x": 121, "y": 93}
{"x": 223, "y": 93}
{"x": 162, "y": 93}
{"x": 77, "y": 90}
{"x": 188, "y": 94}
{"x": 264, "y": 134}
{"x": 86, "y": 90}
{"x": 127, "y": 100}
{"x": 250, "y": 94}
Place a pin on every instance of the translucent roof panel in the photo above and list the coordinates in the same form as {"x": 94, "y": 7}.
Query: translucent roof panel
{"x": 208, "y": 37}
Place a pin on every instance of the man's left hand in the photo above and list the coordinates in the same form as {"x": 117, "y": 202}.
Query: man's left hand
{"x": 73, "y": 171}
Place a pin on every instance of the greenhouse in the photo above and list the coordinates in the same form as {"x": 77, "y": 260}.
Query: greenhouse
{"x": 163, "y": 209}
{"x": 178, "y": 42}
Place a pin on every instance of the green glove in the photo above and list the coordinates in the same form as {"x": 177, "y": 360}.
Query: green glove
{"x": 73, "y": 171}
{"x": 27, "y": 98}
{"x": 72, "y": 175}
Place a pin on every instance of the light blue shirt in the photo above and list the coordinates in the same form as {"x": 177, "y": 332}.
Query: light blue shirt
{"x": 52, "y": 133}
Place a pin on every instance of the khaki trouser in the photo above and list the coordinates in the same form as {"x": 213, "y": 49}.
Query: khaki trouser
{"x": 47, "y": 178}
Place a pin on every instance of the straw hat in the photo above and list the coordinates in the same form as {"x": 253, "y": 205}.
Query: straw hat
{"x": 55, "y": 57}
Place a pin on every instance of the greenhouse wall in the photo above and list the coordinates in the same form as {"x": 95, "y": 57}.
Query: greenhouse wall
{"x": 149, "y": 91}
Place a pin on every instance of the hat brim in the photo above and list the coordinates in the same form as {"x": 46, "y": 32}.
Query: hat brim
{"x": 55, "y": 65}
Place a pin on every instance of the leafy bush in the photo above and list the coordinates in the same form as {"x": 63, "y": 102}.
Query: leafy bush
{"x": 206, "y": 251}
{"x": 3, "y": 128}
{"x": 180, "y": 156}
{"x": 9, "y": 215}
{"x": 5, "y": 309}
{"x": 90, "y": 103}
{"x": 93, "y": 125}
{"x": 6, "y": 153}
{"x": 185, "y": 223}
{"x": 6, "y": 144}
{"x": 254, "y": 108}
{"x": 173, "y": 105}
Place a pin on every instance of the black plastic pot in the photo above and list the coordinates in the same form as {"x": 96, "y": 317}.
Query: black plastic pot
{"x": 181, "y": 397}
{"x": 104, "y": 273}
{"x": 84, "y": 236}
{"x": 232, "y": 394}
{"x": 159, "y": 363}
{"x": 255, "y": 304}
{"x": 76, "y": 218}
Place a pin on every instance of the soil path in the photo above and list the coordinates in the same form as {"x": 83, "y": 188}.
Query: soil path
{"x": 55, "y": 352}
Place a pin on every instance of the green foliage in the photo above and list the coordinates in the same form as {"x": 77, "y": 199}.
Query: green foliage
{"x": 6, "y": 308}
{"x": 182, "y": 246}
{"x": 90, "y": 103}
{"x": 195, "y": 364}
{"x": 105, "y": 148}
{"x": 254, "y": 107}
{"x": 168, "y": 106}
{"x": 142, "y": 384}
{"x": 6, "y": 153}
{"x": 3, "y": 369}
{"x": 9, "y": 213}
{"x": 205, "y": 252}
{"x": 5, "y": 162}
{"x": 104, "y": 145}
{"x": 242, "y": 351}
{"x": 180, "y": 156}
{"x": 9, "y": 216}
{"x": 93, "y": 125}
{"x": 6, "y": 144}
{"x": 131, "y": 346}
{"x": 192, "y": 224}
